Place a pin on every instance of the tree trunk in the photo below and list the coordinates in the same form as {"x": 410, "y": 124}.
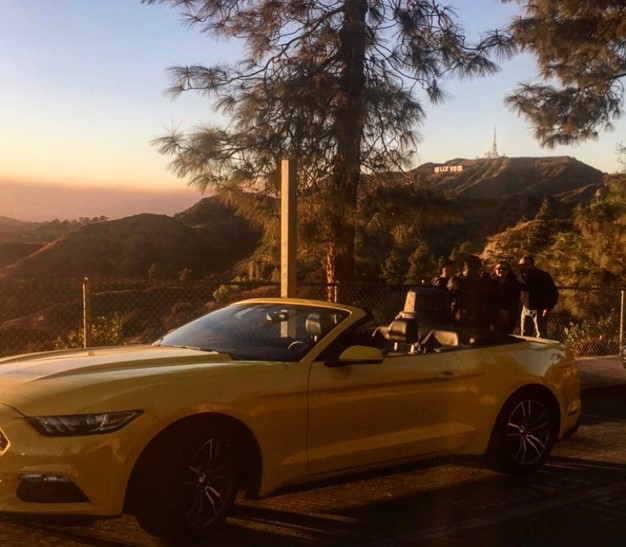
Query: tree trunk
{"x": 349, "y": 123}
{"x": 340, "y": 254}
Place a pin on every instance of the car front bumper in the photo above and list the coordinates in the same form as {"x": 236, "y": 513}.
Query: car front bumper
{"x": 72, "y": 475}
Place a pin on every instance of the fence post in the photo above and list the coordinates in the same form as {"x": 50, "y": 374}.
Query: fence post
{"x": 86, "y": 313}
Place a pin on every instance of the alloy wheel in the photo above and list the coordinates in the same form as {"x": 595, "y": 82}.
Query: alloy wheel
{"x": 528, "y": 432}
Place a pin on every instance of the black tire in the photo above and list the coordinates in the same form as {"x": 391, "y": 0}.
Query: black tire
{"x": 524, "y": 434}
{"x": 186, "y": 482}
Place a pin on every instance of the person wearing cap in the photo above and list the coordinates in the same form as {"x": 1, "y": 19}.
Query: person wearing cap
{"x": 539, "y": 296}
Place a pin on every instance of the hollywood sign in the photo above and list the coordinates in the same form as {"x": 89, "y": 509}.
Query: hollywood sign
{"x": 448, "y": 168}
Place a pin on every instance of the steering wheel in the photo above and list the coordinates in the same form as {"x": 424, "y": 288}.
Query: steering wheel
{"x": 297, "y": 345}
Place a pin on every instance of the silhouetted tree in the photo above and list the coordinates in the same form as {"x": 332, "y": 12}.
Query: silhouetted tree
{"x": 333, "y": 84}
{"x": 422, "y": 265}
{"x": 579, "y": 46}
{"x": 393, "y": 267}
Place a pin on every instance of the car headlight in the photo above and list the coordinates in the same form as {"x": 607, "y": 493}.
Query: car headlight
{"x": 82, "y": 424}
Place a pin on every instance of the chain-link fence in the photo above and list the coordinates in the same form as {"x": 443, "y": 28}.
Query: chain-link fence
{"x": 40, "y": 315}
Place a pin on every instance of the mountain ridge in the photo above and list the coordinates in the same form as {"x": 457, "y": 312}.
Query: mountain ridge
{"x": 210, "y": 238}
{"x": 561, "y": 177}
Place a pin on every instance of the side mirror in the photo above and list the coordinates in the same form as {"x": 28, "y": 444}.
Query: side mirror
{"x": 357, "y": 355}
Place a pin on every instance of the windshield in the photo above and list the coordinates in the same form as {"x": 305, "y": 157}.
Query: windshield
{"x": 258, "y": 331}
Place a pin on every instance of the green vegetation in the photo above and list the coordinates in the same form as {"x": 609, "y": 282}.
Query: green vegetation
{"x": 579, "y": 47}
{"x": 341, "y": 86}
{"x": 104, "y": 331}
{"x": 584, "y": 249}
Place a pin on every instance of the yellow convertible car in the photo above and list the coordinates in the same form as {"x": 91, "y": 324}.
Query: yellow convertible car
{"x": 266, "y": 394}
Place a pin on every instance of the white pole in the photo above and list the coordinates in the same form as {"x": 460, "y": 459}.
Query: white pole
{"x": 288, "y": 225}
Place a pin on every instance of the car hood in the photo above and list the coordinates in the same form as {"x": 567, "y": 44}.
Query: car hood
{"x": 32, "y": 379}
{"x": 105, "y": 379}
{"x": 101, "y": 360}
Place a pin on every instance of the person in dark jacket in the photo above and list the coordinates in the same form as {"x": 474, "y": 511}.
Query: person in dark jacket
{"x": 470, "y": 293}
{"x": 539, "y": 296}
{"x": 446, "y": 272}
{"x": 505, "y": 289}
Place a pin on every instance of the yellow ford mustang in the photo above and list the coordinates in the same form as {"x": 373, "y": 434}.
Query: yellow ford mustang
{"x": 265, "y": 394}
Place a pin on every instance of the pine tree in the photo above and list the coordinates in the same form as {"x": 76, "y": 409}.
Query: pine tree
{"x": 593, "y": 252}
{"x": 394, "y": 267}
{"x": 579, "y": 47}
{"x": 602, "y": 226}
{"x": 422, "y": 267}
{"x": 333, "y": 84}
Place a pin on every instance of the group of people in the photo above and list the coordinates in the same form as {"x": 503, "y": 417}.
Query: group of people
{"x": 498, "y": 299}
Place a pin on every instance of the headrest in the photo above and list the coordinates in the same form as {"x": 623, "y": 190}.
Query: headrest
{"x": 318, "y": 324}
{"x": 446, "y": 337}
{"x": 426, "y": 299}
{"x": 403, "y": 330}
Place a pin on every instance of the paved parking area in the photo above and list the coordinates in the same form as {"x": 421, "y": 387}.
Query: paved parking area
{"x": 601, "y": 371}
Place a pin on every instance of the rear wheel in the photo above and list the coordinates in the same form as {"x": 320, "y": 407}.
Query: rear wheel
{"x": 524, "y": 433}
{"x": 187, "y": 481}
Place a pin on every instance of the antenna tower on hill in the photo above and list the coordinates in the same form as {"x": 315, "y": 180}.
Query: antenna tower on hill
{"x": 493, "y": 153}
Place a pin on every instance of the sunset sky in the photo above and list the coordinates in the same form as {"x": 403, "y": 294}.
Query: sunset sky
{"x": 82, "y": 97}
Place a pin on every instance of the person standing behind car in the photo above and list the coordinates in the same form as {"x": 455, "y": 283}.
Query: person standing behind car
{"x": 447, "y": 271}
{"x": 470, "y": 293}
{"x": 506, "y": 298}
{"x": 539, "y": 296}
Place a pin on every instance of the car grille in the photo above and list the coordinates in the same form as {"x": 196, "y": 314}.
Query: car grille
{"x": 4, "y": 442}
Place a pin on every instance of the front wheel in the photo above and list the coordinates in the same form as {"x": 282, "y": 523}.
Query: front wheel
{"x": 187, "y": 482}
{"x": 524, "y": 434}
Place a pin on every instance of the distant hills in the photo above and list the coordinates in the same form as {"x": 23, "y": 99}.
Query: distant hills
{"x": 136, "y": 246}
{"x": 210, "y": 238}
{"x": 6, "y": 221}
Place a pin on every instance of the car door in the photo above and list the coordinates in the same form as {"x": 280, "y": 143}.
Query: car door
{"x": 362, "y": 415}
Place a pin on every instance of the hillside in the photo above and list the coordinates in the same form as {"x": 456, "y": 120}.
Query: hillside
{"x": 6, "y": 221}
{"x": 12, "y": 251}
{"x": 131, "y": 247}
{"x": 562, "y": 177}
{"x": 228, "y": 232}
{"x": 487, "y": 196}
{"x": 11, "y": 231}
